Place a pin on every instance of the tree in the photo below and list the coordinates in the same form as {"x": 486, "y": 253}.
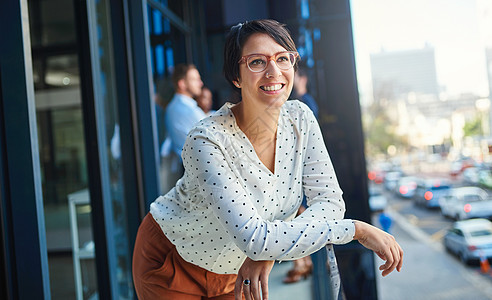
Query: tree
{"x": 473, "y": 127}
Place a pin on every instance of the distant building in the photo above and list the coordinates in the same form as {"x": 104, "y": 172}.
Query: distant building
{"x": 395, "y": 74}
{"x": 488, "y": 56}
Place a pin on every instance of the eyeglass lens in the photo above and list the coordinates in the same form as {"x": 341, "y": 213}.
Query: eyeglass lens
{"x": 283, "y": 60}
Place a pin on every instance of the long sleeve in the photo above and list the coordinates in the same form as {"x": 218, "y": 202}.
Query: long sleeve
{"x": 210, "y": 170}
{"x": 319, "y": 179}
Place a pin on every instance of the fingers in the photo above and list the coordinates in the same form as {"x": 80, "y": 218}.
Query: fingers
{"x": 264, "y": 286}
{"x": 247, "y": 292}
{"x": 238, "y": 289}
{"x": 256, "y": 273}
{"x": 257, "y": 290}
{"x": 394, "y": 260}
{"x": 254, "y": 290}
{"x": 250, "y": 291}
{"x": 400, "y": 264}
{"x": 382, "y": 243}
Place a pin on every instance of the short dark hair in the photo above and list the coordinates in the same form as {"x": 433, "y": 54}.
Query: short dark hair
{"x": 180, "y": 72}
{"x": 239, "y": 34}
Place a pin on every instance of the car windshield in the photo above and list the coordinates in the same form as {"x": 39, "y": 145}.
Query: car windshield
{"x": 442, "y": 187}
{"x": 472, "y": 198}
{"x": 481, "y": 232}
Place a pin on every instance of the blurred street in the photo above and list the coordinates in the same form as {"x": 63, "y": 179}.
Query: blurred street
{"x": 429, "y": 272}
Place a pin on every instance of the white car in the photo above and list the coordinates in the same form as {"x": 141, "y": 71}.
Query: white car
{"x": 471, "y": 240}
{"x": 377, "y": 200}
{"x": 406, "y": 186}
{"x": 466, "y": 203}
{"x": 471, "y": 175}
{"x": 391, "y": 179}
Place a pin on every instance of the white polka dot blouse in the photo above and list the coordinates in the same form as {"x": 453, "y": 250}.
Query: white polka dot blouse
{"x": 229, "y": 205}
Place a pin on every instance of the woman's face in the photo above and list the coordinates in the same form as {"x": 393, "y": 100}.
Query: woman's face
{"x": 258, "y": 88}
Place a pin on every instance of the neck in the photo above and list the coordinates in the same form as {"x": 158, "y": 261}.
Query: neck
{"x": 259, "y": 125}
{"x": 184, "y": 93}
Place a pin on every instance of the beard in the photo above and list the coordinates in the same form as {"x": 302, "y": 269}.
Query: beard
{"x": 194, "y": 93}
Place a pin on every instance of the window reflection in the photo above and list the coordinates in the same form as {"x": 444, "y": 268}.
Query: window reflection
{"x": 62, "y": 149}
{"x": 62, "y": 71}
{"x": 167, "y": 46}
{"x": 106, "y": 101}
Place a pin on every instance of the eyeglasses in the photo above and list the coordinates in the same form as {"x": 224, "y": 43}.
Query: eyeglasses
{"x": 258, "y": 62}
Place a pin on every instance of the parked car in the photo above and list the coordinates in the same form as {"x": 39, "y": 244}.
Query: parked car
{"x": 471, "y": 175}
{"x": 470, "y": 239}
{"x": 466, "y": 203}
{"x": 457, "y": 167}
{"x": 376, "y": 176}
{"x": 391, "y": 180}
{"x": 377, "y": 200}
{"x": 430, "y": 190}
{"x": 485, "y": 178}
{"x": 406, "y": 186}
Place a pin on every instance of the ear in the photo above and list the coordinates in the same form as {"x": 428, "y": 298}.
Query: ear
{"x": 181, "y": 84}
{"x": 237, "y": 84}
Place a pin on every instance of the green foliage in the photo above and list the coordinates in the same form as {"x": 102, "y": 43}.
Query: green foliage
{"x": 473, "y": 127}
{"x": 379, "y": 130}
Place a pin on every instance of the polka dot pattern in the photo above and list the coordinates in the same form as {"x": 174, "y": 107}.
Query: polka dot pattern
{"x": 228, "y": 205}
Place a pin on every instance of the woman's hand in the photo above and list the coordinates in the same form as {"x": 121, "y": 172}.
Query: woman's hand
{"x": 257, "y": 273}
{"x": 382, "y": 243}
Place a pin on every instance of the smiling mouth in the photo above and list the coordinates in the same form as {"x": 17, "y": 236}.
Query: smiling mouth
{"x": 272, "y": 88}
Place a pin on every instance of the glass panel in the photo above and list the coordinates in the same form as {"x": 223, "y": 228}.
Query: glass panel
{"x": 83, "y": 245}
{"x": 62, "y": 71}
{"x": 107, "y": 98}
{"x": 52, "y": 22}
{"x": 167, "y": 46}
{"x": 62, "y": 150}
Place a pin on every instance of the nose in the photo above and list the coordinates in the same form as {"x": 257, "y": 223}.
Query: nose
{"x": 272, "y": 69}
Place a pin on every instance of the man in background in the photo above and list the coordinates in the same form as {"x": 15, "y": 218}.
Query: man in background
{"x": 182, "y": 113}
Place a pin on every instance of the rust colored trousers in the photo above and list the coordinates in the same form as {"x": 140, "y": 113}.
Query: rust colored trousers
{"x": 160, "y": 273}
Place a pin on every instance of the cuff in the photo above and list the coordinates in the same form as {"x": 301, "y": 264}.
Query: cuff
{"x": 342, "y": 231}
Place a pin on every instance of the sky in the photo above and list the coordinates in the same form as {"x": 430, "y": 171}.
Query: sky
{"x": 456, "y": 29}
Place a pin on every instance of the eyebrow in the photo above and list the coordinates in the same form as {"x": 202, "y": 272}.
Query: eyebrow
{"x": 266, "y": 54}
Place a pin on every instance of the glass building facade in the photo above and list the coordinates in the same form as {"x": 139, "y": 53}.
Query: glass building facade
{"x": 83, "y": 90}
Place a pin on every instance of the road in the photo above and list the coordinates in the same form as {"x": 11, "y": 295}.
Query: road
{"x": 429, "y": 272}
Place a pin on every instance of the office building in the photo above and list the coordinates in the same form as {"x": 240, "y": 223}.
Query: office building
{"x": 398, "y": 73}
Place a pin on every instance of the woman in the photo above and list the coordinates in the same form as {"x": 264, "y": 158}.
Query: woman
{"x": 219, "y": 231}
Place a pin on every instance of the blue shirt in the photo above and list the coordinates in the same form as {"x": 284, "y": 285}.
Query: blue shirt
{"x": 311, "y": 103}
{"x": 182, "y": 113}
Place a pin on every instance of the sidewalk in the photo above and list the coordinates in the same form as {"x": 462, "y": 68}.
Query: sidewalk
{"x": 301, "y": 290}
